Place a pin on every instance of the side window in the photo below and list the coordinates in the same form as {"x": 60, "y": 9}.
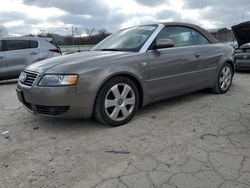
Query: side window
{"x": 198, "y": 38}
{"x": 1, "y": 49}
{"x": 20, "y": 44}
{"x": 17, "y": 44}
{"x": 182, "y": 36}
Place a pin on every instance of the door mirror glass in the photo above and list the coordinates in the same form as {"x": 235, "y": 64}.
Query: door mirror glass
{"x": 164, "y": 43}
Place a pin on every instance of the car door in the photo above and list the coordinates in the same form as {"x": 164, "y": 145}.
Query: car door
{"x": 3, "y": 65}
{"x": 177, "y": 69}
{"x": 209, "y": 56}
{"x": 19, "y": 54}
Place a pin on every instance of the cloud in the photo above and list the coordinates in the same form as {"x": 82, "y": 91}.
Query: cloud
{"x": 85, "y": 22}
{"x": 151, "y": 2}
{"x": 224, "y": 13}
{"x": 232, "y": 4}
{"x": 8, "y": 17}
{"x": 81, "y": 13}
{"x": 172, "y": 15}
{"x": 76, "y": 7}
{"x": 114, "y": 14}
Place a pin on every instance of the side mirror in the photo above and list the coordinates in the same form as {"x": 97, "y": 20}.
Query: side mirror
{"x": 164, "y": 43}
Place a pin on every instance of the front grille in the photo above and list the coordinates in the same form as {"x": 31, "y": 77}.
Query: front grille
{"x": 242, "y": 57}
{"x": 30, "y": 78}
{"x": 52, "y": 110}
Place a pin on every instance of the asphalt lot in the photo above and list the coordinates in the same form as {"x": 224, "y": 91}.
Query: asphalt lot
{"x": 197, "y": 140}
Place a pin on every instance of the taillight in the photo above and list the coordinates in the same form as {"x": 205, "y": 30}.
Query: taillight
{"x": 56, "y": 50}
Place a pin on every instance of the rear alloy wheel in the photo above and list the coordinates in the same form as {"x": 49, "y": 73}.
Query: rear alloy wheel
{"x": 224, "y": 80}
{"x": 117, "y": 101}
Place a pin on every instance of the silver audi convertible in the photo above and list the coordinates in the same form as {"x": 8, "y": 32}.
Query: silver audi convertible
{"x": 129, "y": 69}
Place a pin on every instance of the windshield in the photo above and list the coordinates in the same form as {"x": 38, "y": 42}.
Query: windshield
{"x": 131, "y": 39}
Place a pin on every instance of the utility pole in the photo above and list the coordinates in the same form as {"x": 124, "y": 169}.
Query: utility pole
{"x": 72, "y": 34}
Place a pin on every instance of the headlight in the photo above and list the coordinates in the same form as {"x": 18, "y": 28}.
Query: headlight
{"x": 58, "y": 80}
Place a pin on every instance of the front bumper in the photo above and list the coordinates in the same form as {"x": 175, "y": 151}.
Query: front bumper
{"x": 242, "y": 64}
{"x": 56, "y": 101}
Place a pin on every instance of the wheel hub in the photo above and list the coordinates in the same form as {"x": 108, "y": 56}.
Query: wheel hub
{"x": 120, "y": 102}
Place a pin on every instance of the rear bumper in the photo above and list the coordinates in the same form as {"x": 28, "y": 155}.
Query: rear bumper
{"x": 56, "y": 101}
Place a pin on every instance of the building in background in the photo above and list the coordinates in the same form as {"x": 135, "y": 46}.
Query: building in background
{"x": 222, "y": 34}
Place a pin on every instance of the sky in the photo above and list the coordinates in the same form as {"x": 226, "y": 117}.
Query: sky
{"x": 21, "y": 17}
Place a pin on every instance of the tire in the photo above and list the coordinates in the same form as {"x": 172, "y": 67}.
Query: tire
{"x": 116, "y": 102}
{"x": 224, "y": 80}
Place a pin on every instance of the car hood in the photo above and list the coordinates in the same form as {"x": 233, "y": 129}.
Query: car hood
{"x": 66, "y": 63}
{"x": 241, "y": 32}
{"x": 245, "y": 46}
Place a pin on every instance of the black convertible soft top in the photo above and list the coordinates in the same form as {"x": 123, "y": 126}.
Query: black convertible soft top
{"x": 195, "y": 27}
{"x": 242, "y": 33}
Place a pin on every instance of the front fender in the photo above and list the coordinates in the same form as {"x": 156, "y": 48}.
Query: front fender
{"x": 92, "y": 81}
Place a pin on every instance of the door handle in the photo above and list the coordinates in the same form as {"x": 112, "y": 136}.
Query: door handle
{"x": 197, "y": 55}
{"x": 33, "y": 53}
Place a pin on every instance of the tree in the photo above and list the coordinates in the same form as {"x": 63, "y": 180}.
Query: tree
{"x": 42, "y": 33}
{"x": 102, "y": 32}
{"x": 89, "y": 32}
{"x": 3, "y": 32}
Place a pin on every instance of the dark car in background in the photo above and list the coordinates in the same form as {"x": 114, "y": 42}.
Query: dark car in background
{"x": 242, "y": 53}
{"x": 18, "y": 52}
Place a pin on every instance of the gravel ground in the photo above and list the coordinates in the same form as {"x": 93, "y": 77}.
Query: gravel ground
{"x": 197, "y": 140}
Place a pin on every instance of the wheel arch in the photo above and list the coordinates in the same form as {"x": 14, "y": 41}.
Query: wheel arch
{"x": 227, "y": 59}
{"x": 230, "y": 62}
{"x": 131, "y": 76}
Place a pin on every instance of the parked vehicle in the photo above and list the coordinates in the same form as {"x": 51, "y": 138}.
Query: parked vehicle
{"x": 18, "y": 52}
{"x": 131, "y": 68}
{"x": 242, "y": 54}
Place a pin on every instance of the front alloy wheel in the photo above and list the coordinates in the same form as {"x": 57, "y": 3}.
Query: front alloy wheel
{"x": 116, "y": 101}
{"x": 120, "y": 102}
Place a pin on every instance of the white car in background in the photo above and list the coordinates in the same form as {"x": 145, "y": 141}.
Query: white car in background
{"x": 18, "y": 52}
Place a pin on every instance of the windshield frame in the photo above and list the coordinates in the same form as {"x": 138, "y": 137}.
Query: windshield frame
{"x": 143, "y": 47}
